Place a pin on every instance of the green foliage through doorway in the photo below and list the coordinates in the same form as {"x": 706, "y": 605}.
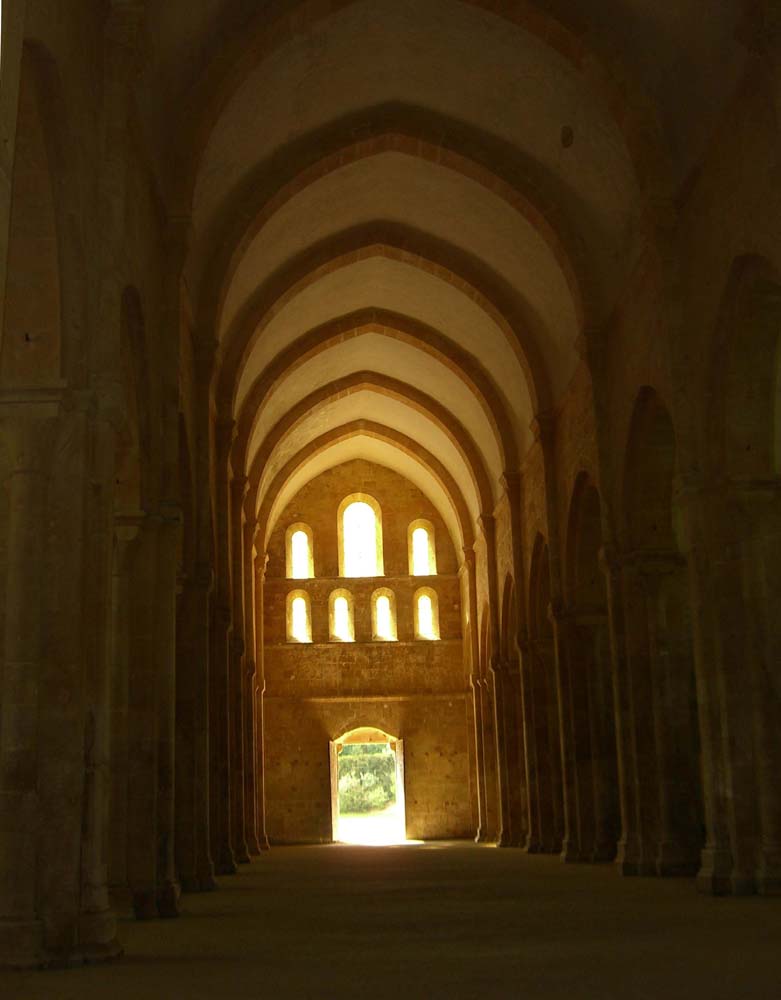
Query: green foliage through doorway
{"x": 367, "y": 778}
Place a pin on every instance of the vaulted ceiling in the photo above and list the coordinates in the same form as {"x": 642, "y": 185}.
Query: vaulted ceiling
{"x": 406, "y": 213}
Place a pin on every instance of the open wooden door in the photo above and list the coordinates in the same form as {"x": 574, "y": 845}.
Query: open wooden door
{"x": 333, "y": 755}
{"x": 401, "y": 806}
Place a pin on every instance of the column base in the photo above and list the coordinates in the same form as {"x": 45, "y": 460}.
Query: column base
{"x": 574, "y": 854}
{"x": 225, "y": 864}
{"x": 254, "y": 847}
{"x": 242, "y": 856}
{"x": 145, "y": 904}
{"x": 676, "y": 861}
{"x": 21, "y": 944}
{"x": 168, "y": 900}
{"x": 715, "y": 875}
{"x": 768, "y": 882}
{"x": 98, "y": 937}
{"x": 603, "y": 854}
{"x": 631, "y": 859}
{"x": 199, "y": 883}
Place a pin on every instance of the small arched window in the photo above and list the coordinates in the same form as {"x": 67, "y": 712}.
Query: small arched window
{"x": 426, "y": 607}
{"x": 359, "y": 526}
{"x": 299, "y": 559}
{"x": 341, "y": 620}
{"x": 299, "y": 617}
{"x": 384, "y": 615}
{"x": 421, "y": 548}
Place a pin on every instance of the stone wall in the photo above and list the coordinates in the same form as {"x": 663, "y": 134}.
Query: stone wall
{"x": 414, "y": 690}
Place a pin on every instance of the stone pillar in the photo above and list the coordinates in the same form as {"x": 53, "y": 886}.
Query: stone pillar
{"x": 142, "y": 813}
{"x": 761, "y": 583}
{"x": 249, "y": 693}
{"x": 506, "y": 675}
{"x": 261, "y": 562}
{"x": 125, "y": 536}
{"x": 221, "y": 648}
{"x": 676, "y": 746}
{"x": 719, "y": 640}
{"x": 237, "y": 679}
{"x": 219, "y": 748}
{"x": 603, "y": 740}
{"x": 496, "y": 756}
{"x": 193, "y": 849}
{"x": 571, "y": 652}
{"x": 168, "y": 547}
{"x": 13, "y": 39}
{"x": 631, "y": 858}
{"x": 22, "y": 939}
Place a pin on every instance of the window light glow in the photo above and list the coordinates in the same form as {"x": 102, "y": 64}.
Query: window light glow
{"x": 425, "y": 617}
{"x": 360, "y": 540}
{"x": 384, "y": 623}
{"x": 299, "y": 545}
{"x": 421, "y": 565}
{"x": 342, "y": 625}
{"x": 384, "y": 615}
{"x": 300, "y": 630}
{"x": 426, "y": 614}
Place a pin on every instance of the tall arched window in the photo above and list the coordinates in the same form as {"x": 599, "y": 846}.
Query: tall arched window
{"x": 360, "y": 536}
{"x": 341, "y": 620}
{"x": 299, "y": 617}
{"x": 421, "y": 548}
{"x": 426, "y": 607}
{"x": 384, "y": 615}
{"x": 299, "y": 559}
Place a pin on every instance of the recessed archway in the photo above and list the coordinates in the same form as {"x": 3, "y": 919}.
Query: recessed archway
{"x": 367, "y": 788}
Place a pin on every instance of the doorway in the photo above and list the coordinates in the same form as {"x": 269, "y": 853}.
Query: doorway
{"x": 367, "y": 788}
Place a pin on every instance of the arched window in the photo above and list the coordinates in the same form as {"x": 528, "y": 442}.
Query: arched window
{"x": 299, "y": 617}
{"x": 341, "y": 621}
{"x": 422, "y": 551}
{"x": 299, "y": 559}
{"x": 359, "y": 528}
{"x": 384, "y": 615}
{"x": 426, "y": 607}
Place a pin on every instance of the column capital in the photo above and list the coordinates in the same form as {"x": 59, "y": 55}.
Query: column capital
{"x": 487, "y": 524}
{"x": 543, "y": 427}
{"x": 510, "y": 482}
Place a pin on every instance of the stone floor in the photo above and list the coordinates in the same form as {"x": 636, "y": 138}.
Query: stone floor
{"x": 450, "y": 921}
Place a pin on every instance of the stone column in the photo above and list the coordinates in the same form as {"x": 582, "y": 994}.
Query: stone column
{"x": 570, "y": 647}
{"x": 761, "y": 560}
{"x": 507, "y": 678}
{"x": 125, "y": 535}
{"x": 21, "y": 924}
{"x": 237, "y": 679}
{"x": 193, "y": 849}
{"x": 143, "y": 777}
{"x": 222, "y": 633}
{"x": 168, "y": 547}
{"x": 496, "y": 754}
{"x": 249, "y": 693}
{"x": 474, "y": 684}
{"x": 632, "y": 856}
{"x": 219, "y": 748}
{"x": 603, "y": 740}
{"x": 261, "y": 562}
{"x": 719, "y": 641}
{"x": 13, "y": 39}
{"x": 671, "y": 670}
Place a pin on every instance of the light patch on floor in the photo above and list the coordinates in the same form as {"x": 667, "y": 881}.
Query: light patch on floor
{"x": 380, "y": 829}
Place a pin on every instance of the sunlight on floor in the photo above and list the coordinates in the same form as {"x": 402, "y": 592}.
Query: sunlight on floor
{"x": 379, "y": 829}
